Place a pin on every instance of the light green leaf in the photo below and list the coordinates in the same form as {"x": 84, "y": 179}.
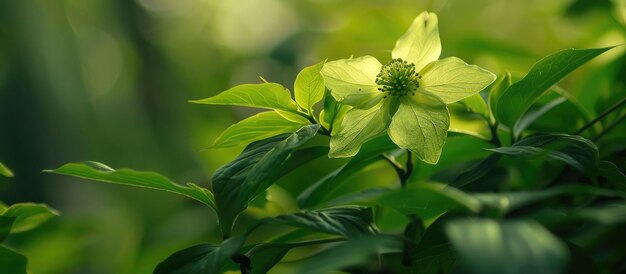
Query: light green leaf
{"x": 346, "y": 221}
{"x": 428, "y": 200}
{"x": 28, "y": 215}
{"x": 102, "y": 173}
{"x": 252, "y": 172}
{"x": 421, "y": 126}
{"x": 420, "y": 44}
{"x": 5, "y": 171}
{"x": 573, "y": 150}
{"x": 266, "y": 95}
{"x": 465, "y": 122}
{"x": 352, "y": 81}
{"x": 357, "y": 127}
{"x": 11, "y": 261}
{"x": 518, "y": 98}
{"x": 510, "y": 247}
{"x": 309, "y": 87}
{"x": 259, "y": 127}
{"x": 476, "y": 104}
{"x": 451, "y": 79}
{"x": 201, "y": 259}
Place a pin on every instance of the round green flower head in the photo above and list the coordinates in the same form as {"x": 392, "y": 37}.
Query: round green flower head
{"x": 407, "y": 97}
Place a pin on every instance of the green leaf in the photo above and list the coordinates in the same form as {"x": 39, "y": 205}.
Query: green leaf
{"x": 476, "y": 171}
{"x": 498, "y": 87}
{"x": 266, "y": 95}
{"x": 352, "y": 81}
{"x": 102, "y": 173}
{"x": 28, "y": 215}
{"x": 322, "y": 190}
{"x": 518, "y": 98}
{"x": 253, "y": 171}
{"x": 12, "y": 262}
{"x": 573, "y": 150}
{"x": 258, "y": 127}
{"x": 434, "y": 254}
{"x": 429, "y": 200}
{"x": 353, "y": 252}
{"x": 201, "y": 259}
{"x": 612, "y": 173}
{"x": 309, "y": 86}
{"x": 476, "y": 104}
{"x": 347, "y": 221}
{"x": 531, "y": 116}
{"x": 5, "y": 226}
{"x": 508, "y": 247}
{"x": 265, "y": 256}
{"x": 421, "y": 126}
{"x": 5, "y": 171}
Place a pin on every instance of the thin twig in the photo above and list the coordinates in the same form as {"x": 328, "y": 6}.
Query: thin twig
{"x": 609, "y": 128}
{"x": 601, "y": 116}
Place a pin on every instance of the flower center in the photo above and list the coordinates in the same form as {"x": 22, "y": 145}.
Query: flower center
{"x": 398, "y": 78}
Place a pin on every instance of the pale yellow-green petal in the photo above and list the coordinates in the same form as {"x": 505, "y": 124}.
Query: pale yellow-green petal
{"x": 420, "y": 44}
{"x": 452, "y": 79}
{"x": 421, "y": 126}
{"x": 352, "y": 81}
{"x": 357, "y": 127}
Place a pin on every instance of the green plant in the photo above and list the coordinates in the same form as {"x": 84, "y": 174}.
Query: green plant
{"x": 492, "y": 216}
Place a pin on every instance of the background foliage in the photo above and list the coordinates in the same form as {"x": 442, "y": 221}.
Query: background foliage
{"x": 110, "y": 81}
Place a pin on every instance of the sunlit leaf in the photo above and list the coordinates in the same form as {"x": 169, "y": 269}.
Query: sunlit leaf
{"x": 351, "y": 81}
{"x": 258, "y": 127}
{"x": 102, "y": 173}
{"x": 253, "y": 171}
{"x": 266, "y": 95}
{"x": 476, "y": 104}
{"x": 5, "y": 171}
{"x": 518, "y": 98}
{"x": 508, "y": 247}
{"x": 309, "y": 87}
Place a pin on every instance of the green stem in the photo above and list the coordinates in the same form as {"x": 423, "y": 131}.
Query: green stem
{"x": 601, "y": 116}
{"x": 493, "y": 128}
{"x": 609, "y": 128}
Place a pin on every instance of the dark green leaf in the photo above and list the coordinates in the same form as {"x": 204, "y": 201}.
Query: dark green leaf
{"x": 12, "y": 262}
{"x": 498, "y": 87}
{"x": 486, "y": 246}
{"x": 353, "y": 252}
{"x": 434, "y": 254}
{"x": 5, "y": 171}
{"x": 201, "y": 259}
{"x": 28, "y": 215}
{"x": 518, "y": 98}
{"x": 477, "y": 171}
{"x": 347, "y": 221}
{"x": 102, "y": 173}
{"x": 252, "y": 172}
{"x": 612, "y": 173}
{"x": 533, "y": 115}
{"x": 5, "y": 226}
{"x": 573, "y": 150}
{"x": 321, "y": 191}
{"x": 264, "y": 256}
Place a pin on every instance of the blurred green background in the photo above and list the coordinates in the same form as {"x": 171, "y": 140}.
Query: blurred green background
{"x": 109, "y": 80}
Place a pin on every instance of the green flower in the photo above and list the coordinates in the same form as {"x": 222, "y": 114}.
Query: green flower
{"x": 407, "y": 97}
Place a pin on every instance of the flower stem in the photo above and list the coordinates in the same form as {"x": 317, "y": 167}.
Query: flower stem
{"x": 601, "y": 116}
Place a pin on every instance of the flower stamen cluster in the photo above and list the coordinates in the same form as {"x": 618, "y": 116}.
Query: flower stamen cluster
{"x": 398, "y": 78}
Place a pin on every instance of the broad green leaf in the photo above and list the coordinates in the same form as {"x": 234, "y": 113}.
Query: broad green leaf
{"x": 28, "y": 215}
{"x": 258, "y": 127}
{"x": 357, "y": 127}
{"x": 12, "y": 262}
{"x": 309, "y": 87}
{"x": 509, "y": 201}
{"x": 573, "y": 150}
{"x": 428, "y": 200}
{"x": 5, "y": 171}
{"x": 102, "y": 173}
{"x": 476, "y": 104}
{"x": 421, "y": 126}
{"x": 353, "y": 252}
{"x": 452, "y": 80}
{"x": 498, "y": 87}
{"x": 6, "y": 222}
{"x": 468, "y": 123}
{"x": 434, "y": 254}
{"x": 347, "y": 221}
{"x": 352, "y": 81}
{"x": 509, "y": 247}
{"x": 266, "y": 95}
{"x": 322, "y": 190}
{"x": 612, "y": 173}
{"x": 253, "y": 171}
{"x": 333, "y": 112}
{"x": 476, "y": 171}
{"x": 518, "y": 98}
{"x": 201, "y": 259}
{"x": 533, "y": 115}
{"x": 420, "y": 44}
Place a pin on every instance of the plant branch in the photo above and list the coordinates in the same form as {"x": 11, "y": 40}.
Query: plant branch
{"x": 609, "y": 128}
{"x": 601, "y": 116}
